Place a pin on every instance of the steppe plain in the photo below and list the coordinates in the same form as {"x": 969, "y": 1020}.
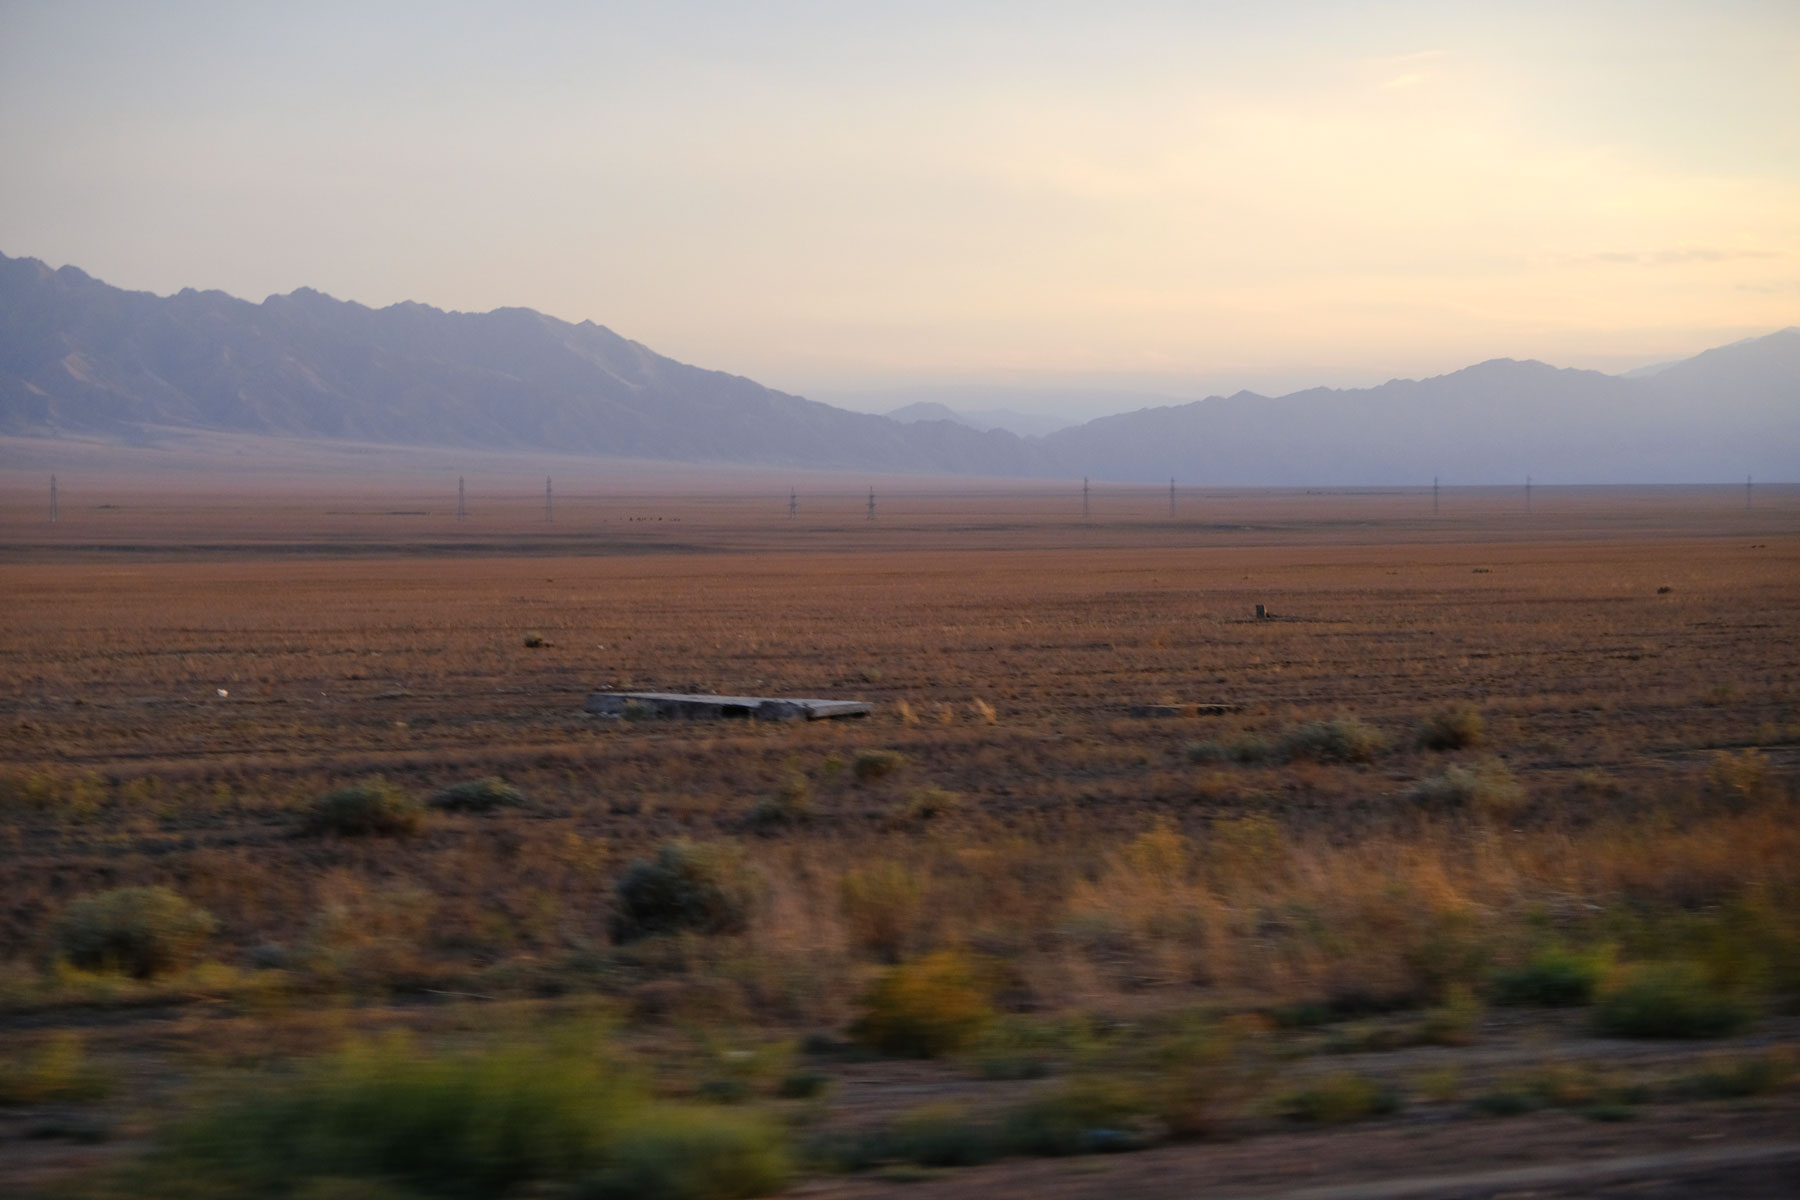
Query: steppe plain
{"x": 1275, "y": 944}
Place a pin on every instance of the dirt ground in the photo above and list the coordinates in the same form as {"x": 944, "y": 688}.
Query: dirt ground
{"x": 201, "y": 659}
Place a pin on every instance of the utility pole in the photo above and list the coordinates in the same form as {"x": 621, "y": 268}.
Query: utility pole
{"x": 1434, "y": 495}
{"x": 462, "y": 500}
{"x": 1528, "y": 495}
{"x": 53, "y": 495}
{"x": 793, "y": 504}
{"x": 549, "y": 513}
{"x": 56, "y": 516}
{"x": 871, "y": 504}
{"x": 1171, "y": 497}
{"x": 1084, "y": 498}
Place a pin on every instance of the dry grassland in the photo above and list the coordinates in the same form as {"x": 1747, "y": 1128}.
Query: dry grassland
{"x": 187, "y": 672}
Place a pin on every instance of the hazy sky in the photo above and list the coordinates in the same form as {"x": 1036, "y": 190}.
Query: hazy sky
{"x": 829, "y": 196}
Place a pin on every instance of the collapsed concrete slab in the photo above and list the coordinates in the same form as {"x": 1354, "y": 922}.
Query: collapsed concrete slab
{"x": 721, "y": 708}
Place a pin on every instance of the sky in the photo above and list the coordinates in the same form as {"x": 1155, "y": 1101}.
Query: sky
{"x": 838, "y": 197}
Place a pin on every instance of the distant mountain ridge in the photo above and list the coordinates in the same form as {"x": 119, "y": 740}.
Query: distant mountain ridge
{"x": 79, "y": 356}
{"x": 1017, "y": 423}
{"x": 1720, "y": 415}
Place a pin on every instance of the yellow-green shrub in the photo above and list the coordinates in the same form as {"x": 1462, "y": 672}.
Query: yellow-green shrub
{"x": 929, "y": 1007}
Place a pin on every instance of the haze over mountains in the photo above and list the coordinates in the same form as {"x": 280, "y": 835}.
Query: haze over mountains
{"x": 80, "y": 357}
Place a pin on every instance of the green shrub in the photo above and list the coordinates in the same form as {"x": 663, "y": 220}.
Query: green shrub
{"x": 1554, "y": 977}
{"x": 792, "y": 804}
{"x": 1666, "y": 1000}
{"x": 702, "y": 887}
{"x": 803, "y": 1085}
{"x": 1083, "y": 1116}
{"x": 459, "y": 1126}
{"x": 478, "y": 795}
{"x": 1342, "y": 739}
{"x": 1017, "y": 1048}
{"x": 1486, "y": 789}
{"x": 538, "y": 1119}
{"x": 1455, "y": 1021}
{"x": 1196, "y": 1072}
{"x": 944, "y": 1135}
{"x": 54, "y": 1070}
{"x": 688, "y": 1154}
{"x": 926, "y": 1008}
{"x": 141, "y": 932}
{"x": 871, "y": 765}
{"x": 1760, "y": 1075}
{"x": 1245, "y": 748}
{"x": 1337, "y": 1099}
{"x": 1506, "y": 1102}
{"x": 1455, "y": 727}
{"x": 373, "y": 808}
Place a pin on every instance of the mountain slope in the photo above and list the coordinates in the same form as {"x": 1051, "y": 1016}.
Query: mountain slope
{"x": 1720, "y": 415}
{"x": 77, "y": 355}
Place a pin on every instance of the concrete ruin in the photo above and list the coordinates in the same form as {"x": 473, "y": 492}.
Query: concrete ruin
{"x": 673, "y": 705}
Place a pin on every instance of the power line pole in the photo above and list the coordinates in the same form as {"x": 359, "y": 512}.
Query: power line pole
{"x": 1528, "y": 495}
{"x": 1434, "y": 495}
{"x": 55, "y": 515}
{"x": 53, "y": 494}
{"x": 1171, "y": 497}
{"x": 549, "y": 512}
{"x": 871, "y": 504}
{"x": 1084, "y": 498}
{"x": 793, "y": 504}
{"x": 462, "y": 500}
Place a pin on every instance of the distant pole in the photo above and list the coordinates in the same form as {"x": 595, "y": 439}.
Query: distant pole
{"x": 56, "y": 515}
{"x": 462, "y": 500}
{"x": 53, "y": 495}
{"x": 549, "y": 512}
{"x": 1434, "y": 495}
{"x": 793, "y": 504}
{"x": 1528, "y": 495}
{"x": 871, "y": 504}
{"x": 1084, "y": 498}
{"x": 1171, "y": 497}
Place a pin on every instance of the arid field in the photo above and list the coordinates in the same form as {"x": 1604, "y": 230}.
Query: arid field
{"x": 1480, "y": 852}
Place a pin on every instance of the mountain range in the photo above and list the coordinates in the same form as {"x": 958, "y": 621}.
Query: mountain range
{"x": 78, "y": 356}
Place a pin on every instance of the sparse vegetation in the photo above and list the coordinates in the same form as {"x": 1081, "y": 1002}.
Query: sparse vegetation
{"x": 472, "y": 1124}
{"x": 1341, "y": 739}
{"x": 1553, "y": 977}
{"x": 141, "y": 932}
{"x": 373, "y": 808}
{"x": 1453, "y": 727}
{"x": 871, "y": 765}
{"x": 1105, "y": 932}
{"x": 1485, "y": 789}
{"x": 791, "y": 804}
{"x": 1246, "y": 748}
{"x": 689, "y": 886}
{"x": 1343, "y": 1097}
{"x": 923, "y": 804}
{"x": 881, "y": 906}
{"x": 1666, "y": 1000}
{"x": 54, "y": 1069}
{"x": 926, "y": 1008}
{"x": 478, "y": 795}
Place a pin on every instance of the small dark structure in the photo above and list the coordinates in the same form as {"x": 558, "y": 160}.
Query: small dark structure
{"x": 1262, "y": 614}
{"x": 1183, "y": 710}
{"x": 669, "y": 705}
